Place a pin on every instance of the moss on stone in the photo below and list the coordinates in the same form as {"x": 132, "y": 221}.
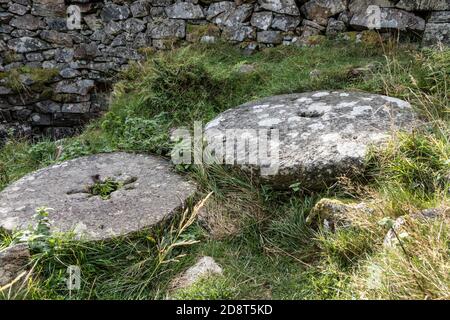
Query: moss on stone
{"x": 195, "y": 32}
{"x": 316, "y": 40}
{"x": 349, "y": 36}
{"x": 370, "y": 38}
{"x": 39, "y": 76}
{"x": 147, "y": 51}
{"x": 11, "y": 56}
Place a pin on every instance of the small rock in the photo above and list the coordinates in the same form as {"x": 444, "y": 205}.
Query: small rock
{"x": 333, "y": 213}
{"x": 27, "y": 22}
{"x": 261, "y": 20}
{"x": 235, "y": 16}
{"x": 113, "y": 12}
{"x": 335, "y": 27}
{"x": 166, "y": 28}
{"x": 13, "y": 261}
{"x": 134, "y": 25}
{"x": 391, "y": 240}
{"x": 320, "y": 10}
{"x": 80, "y": 87}
{"x": 27, "y": 44}
{"x": 93, "y": 22}
{"x": 5, "y": 90}
{"x": 68, "y": 73}
{"x": 437, "y": 29}
{"x": 269, "y": 37}
{"x": 285, "y": 22}
{"x": 139, "y": 9}
{"x": 239, "y": 34}
{"x": 421, "y": 5}
{"x": 280, "y": 6}
{"x": 184, "y": 10}
{"x": 56, "y": 37}
{"x": 391, "y": 19}
{"x": 247, "y": 68}
{"x": 316, "y": 73}
{"x": 205, "y": 266}
{"x": 18, "y": 9}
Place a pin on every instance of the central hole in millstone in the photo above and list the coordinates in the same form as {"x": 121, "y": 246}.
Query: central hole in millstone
{"x": 104, "y": 187}
{"x": 309, "y": 114}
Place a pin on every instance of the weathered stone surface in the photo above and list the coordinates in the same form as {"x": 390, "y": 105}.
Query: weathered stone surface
{"x": 166, "y": 28}
{"x": 48, "y": 106}
{"x": 437, "y": 29}
{"x": 280, "y": 6}
{"x": 139, "y": 9}
{"x": 5, "y": 90}
{"x": 13, "y": 261}
{"x": 150, "y": 193}
{"x": 113, "y": 27}
{"x": 261, "y": 20}
{"x": 285, "y": 23}
{"x": 321, "y": 10}
{"x": 322, "y": 135}
{"x": 217, "y": 8}
{"x": 437, "y": 33}
{"x": 81, "y": 107}
{"x": 34, "y": 57}
{"x": 239, "y": 34}
{"x": 56, "y": 23}
{"x": 362, "y": 5}
{"x": 391, "y": 19}
{"x": 93, "y": 22}
{"x": 80, "y": 87}
{"x": 5, "y": 17}
{"x": 27, "y": 22}
{"x": 335, "y": 26}
{"x": 412, "y": 5}
{"x": 134, "y": 25}
{"x": 113, "y": 11}
{"x": 49, "y": 8}
{"x": 205, "y": 266}
{"x": 269, "y": 37}
{"x": 56, "y": 37}
{"x": 333, "y": 213}
{"x": 439, "y": 17}
{"x": 184, "y": 10}
{"x": 27, "y": 44}
{"x": 64, "y": 54}
{"x": 18, "y": 9}
{"x": 234, "y": 16}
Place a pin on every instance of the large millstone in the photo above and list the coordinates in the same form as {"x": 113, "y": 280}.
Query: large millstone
{"x": 150, "y": 192}
{"x": 322, "y": 135}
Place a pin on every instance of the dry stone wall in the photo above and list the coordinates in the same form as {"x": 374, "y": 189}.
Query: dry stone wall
{"x": 58, "y": 58}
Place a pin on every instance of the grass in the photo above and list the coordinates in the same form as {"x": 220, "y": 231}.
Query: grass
{"x": 104, "y": 188}
{"x": 259, "y": 235}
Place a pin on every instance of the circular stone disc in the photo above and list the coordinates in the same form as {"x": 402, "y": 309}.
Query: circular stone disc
{"x": 322, "y": 135}
{"x": 149, "y": 193}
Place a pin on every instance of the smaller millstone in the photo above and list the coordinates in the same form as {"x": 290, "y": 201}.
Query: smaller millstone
{"x": 149, "y": 192}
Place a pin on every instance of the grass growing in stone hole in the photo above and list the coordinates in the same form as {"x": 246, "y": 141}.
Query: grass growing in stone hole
{"x": 271, "y": 252}
{"x": 104, "y": 188}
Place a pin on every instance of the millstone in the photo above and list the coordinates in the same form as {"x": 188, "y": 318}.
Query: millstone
{"x": 149, "y": 192}
{"x": 322, "y": 135}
